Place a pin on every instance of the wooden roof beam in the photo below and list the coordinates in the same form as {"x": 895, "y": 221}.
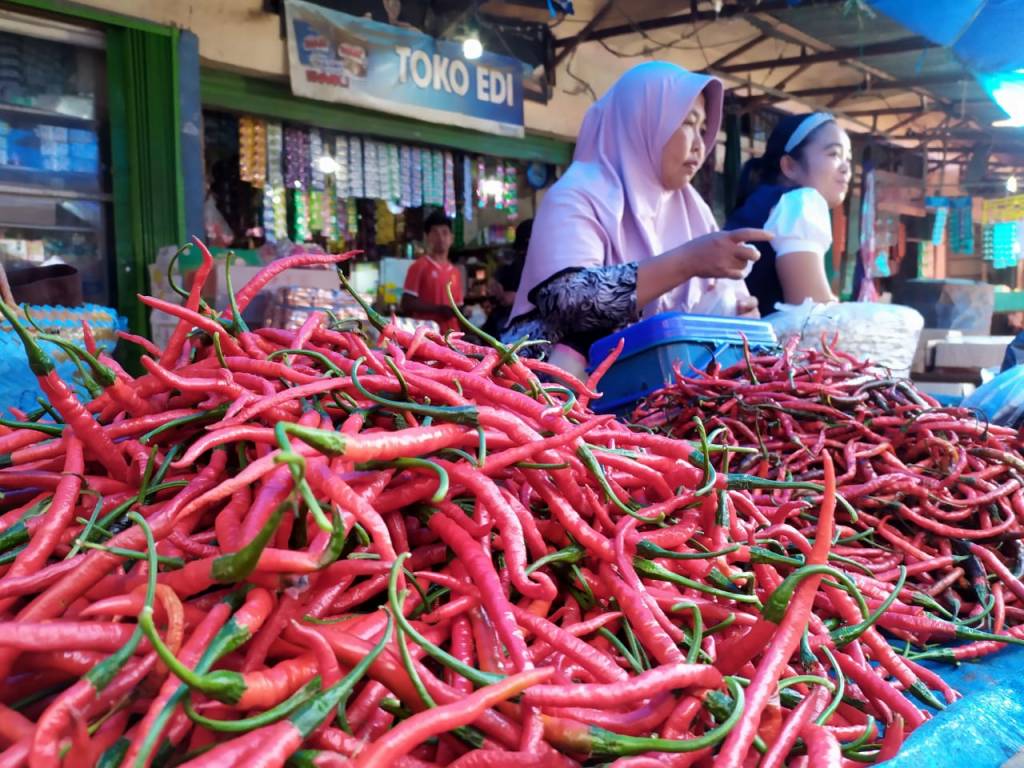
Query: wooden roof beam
{"x": 585, "y": 33}
{"x": 903, "y": 45}
{"x": 878, "y": 84}
{"x": 729, "y": 11}
{"x": 739, "y": 51}
{"x": 918, "y": 109}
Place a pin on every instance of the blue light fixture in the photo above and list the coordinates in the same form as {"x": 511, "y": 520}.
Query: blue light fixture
{"x": 1007, "y": 90}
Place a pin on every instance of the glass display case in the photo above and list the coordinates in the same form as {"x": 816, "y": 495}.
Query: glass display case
{"x": 55, "y": 201}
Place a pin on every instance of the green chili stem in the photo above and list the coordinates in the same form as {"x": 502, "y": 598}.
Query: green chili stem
{"x": 591, "y": 463}
{"x": 458, "y": 414}
{"x": 320, "y": 357}
{"x": 694, "y": 650}
{"x": 131, "y": 554}
{"x": 212, "y": 414}
{"x": 471, "y": 674}
{"x": 236, "y": 567}
{"x": 847, "y": 635}
{"x": 48, "y": 429}
{"x": 604, "y": 742}
{"x": 238, "y": 321}
{"x": 272, "y": 715}
{"x": 621, "y": 648}
{"x": 656, "y": 571}
{"x": 807, "y": 679}
{"x": 571, "y": 554}
{"x": 651, "y": 550}
{"x": 840, "y": 689}
{"x": 416, "y": 463}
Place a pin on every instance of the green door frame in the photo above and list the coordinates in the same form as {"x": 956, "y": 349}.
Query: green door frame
{"x": 145, "y": 115}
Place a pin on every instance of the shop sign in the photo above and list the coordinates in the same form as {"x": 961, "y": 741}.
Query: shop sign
{"x": 333, "y": 56}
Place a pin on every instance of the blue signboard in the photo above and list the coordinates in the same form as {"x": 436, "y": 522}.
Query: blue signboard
{"x": 337, "y": 57}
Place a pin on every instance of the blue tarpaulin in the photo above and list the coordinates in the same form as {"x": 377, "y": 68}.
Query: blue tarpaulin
{"x": 984, "y": 729}
{"x": 984, "y": 34}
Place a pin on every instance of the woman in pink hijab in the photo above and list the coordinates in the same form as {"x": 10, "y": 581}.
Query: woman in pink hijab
{"x": 622, "y": 234}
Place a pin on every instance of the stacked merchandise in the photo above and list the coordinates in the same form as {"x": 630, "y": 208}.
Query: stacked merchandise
{"x": 961, "y": 225}
{"x": 50, "y": 148}
{"x": 311, "y": 180}
{"x": 1001, "y": 244}
{"x": 43, "y": 75}
{"x": 954, "y": 222}
{"x": 1003, "y": 231}
{"x": 38, "y": 73}
{"x": 275, "y": 206}
{"x": 292, "y": 306}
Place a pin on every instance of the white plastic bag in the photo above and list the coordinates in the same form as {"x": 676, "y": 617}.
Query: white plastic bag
{"x": 722, "y": 300}
{"x": 885, "y": 334}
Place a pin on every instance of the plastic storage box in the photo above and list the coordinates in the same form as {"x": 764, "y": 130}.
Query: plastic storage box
{"x": 655, "y": 346}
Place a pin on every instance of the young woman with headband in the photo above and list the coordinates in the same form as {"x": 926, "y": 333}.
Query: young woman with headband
{"x": 790, "y": 190}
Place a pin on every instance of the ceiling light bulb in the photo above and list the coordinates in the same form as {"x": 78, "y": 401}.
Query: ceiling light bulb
{"x": 493, "y": 188}
{"x": 472, "y": 48}
{"x": 326, "y": 164}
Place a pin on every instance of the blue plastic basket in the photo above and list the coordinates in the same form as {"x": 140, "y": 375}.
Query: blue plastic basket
{"x": 655, "y": 346}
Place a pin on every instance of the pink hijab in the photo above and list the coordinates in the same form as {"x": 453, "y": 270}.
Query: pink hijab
{"x": 610, "y": 206}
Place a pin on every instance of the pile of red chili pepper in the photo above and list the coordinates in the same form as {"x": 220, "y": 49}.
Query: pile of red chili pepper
{"x": 300, "y": 547}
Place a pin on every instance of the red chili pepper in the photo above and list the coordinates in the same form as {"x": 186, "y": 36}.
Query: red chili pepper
{"x": 247, "y": 292}
{"x": 822, "y": 747}
{"x": 190, "y": 655}
{"x": 642, "y": 686}
{"x": 96, "y": 564}
{"x": 482, "y": 572}
{"x": 188, "y": 316}
{"x": 63, "y": 399}
{"x": 59, "y": 515}
{"x": 787, "y": 638}
{"x": 419, "y": 727}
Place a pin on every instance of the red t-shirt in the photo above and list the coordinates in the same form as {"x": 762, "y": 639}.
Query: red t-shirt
{"x": 428, "y": 279}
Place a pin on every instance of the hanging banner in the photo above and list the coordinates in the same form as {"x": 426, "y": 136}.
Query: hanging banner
{"x": 333, "y": 56}
{"x": 1002, "y": 209}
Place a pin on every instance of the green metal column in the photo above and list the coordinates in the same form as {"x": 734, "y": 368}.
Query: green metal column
{"x": 142, "y": 71}
{"x": 732, "y": 169}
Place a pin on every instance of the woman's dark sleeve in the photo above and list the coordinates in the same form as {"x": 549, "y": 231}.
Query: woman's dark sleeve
{"x": 592, "y": 300}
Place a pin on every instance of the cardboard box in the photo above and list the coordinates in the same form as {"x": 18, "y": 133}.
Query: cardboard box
{"x": 392, "y": 279}
{"x": 300, "y": 278}
{"x": 22, "y": 250}
{"x": 924, "y": 357}
{"x": 972, "y": 352}
{"x": 946, "y": 392}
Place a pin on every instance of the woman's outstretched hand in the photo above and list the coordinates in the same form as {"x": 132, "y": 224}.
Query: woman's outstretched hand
{"x": 724, "y": 253}
{"x": 720, "y": 254}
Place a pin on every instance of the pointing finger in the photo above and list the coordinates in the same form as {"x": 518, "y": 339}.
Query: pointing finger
{"x": 751, "y": 235}
{"x": 746, "y": 252}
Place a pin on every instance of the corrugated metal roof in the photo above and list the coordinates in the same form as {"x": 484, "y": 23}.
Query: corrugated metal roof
{"x": 945, "y": 77}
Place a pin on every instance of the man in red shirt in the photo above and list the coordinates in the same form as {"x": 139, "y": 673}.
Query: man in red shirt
{"x": 425, "y": 296}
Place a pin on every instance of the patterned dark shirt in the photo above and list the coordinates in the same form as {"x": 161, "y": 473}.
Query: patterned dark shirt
{"x": 577, "y": 307}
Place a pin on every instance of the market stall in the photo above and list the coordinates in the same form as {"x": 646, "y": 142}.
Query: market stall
{"x": 307, "y": 531}
{"x": 274, "y": 185}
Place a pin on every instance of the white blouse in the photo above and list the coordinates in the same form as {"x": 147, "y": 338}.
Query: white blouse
{"x": 801, "y": 223}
